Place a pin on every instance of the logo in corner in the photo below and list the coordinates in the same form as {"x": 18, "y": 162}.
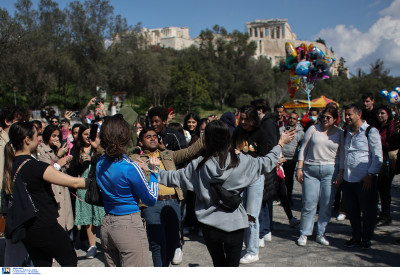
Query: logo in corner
{"x": 6, "y": 270}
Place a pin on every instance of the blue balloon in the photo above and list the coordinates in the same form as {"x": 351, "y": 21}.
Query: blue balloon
{"x": 302, "y": 68}
{"x": 383, "y": 93}
{"x": 393, "y": 98}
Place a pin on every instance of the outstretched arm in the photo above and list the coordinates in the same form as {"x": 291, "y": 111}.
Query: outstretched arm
{"x": 53, "y": 176}
{"x": 188, "y": 153}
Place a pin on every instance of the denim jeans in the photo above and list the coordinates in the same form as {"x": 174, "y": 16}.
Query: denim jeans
{"x": 162, "y": 226}
{"x": 252, "y": 199}
{"x": 318, "y": 186}
{"x": 264, "y": 220}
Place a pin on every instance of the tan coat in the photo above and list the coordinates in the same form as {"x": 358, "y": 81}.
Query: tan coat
{"x": 61, "y": 193}
{"x": 171, "y": 158}
{"x": 3, "y": 141}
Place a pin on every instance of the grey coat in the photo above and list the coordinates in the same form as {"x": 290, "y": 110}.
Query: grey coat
{"x": 235, "y": 180}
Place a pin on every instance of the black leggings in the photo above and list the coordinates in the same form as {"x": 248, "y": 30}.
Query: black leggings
{"x": 45, "y": 243}
{"x": 225, "y": 247}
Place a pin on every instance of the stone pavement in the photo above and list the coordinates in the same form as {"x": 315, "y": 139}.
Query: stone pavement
{"x": 282, "y": 251}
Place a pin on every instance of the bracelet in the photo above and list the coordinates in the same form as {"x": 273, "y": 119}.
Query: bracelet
{"x": 299, "y": 168}
{"x": 280, "y": 145}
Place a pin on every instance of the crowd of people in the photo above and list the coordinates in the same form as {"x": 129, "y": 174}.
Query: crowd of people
{"x": 216, "y": 177}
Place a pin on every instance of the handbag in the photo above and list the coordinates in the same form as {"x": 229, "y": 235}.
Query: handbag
{"x": 93, "y": 194}
{"x": 2, "y": 225}
{"x": 393, "y": 158}
{"x": 223, "y": 198}
{"x": 280, "y": 172}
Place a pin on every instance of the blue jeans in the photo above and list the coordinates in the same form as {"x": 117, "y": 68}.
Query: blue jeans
{"x": 318, "y": 186}
{"x": 252, "y": 199}
{"x": 162, "y": 226}
{"x": 264, "y": 220}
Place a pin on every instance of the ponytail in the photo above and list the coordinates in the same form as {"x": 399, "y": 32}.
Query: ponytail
{"x": 9, "y": 155}
{"x": 17, "y": 133}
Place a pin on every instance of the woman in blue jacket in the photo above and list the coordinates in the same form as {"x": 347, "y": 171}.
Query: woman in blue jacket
{"x": 123, "y": 234}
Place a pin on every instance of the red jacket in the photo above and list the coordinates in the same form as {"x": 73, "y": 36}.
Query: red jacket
{"x": 386, "y": 134}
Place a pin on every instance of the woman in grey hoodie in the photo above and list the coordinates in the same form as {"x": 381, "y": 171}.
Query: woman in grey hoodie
{"x": 223, "y": 231}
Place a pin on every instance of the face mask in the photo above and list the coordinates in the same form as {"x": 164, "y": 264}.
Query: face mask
{"x": 313, "y": 118}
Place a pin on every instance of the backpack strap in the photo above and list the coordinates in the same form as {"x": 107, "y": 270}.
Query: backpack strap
{"x": 367, "y": 131}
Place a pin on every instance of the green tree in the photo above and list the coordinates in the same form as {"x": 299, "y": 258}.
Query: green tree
{"x": 189, "y": 87}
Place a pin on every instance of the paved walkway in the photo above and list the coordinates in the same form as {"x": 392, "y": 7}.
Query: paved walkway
{"x": 283, "y": 252}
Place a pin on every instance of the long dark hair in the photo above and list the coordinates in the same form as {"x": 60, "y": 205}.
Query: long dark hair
{"x": 79, "y": 143}
{"x": 48, "y": 131}
{"x": 239, "y": 136}
{"x": 219, "y": 145}
{"x": 17, "y": 134}
{"x": 195, "y": 117}
{"x": 114, "y": 136}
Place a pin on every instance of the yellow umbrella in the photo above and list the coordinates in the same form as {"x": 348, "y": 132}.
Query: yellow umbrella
{"x": 323, "y": 101}
{"x": 301, "y": 104}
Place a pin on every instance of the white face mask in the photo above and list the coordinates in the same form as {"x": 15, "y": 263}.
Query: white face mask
{"x": 313, "y": 118}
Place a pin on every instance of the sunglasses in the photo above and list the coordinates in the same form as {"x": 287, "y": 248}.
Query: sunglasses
{"x": 327, "y": 117}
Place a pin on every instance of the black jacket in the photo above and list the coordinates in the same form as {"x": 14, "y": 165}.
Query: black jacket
{"x": 173, "y": 140}
{"x": 268, "y": 123}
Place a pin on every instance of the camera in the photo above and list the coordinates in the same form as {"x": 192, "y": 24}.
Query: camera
{"x": 288, "y": 128}
{"x": 99, "y": 100}
{"x": 75, "y": 114}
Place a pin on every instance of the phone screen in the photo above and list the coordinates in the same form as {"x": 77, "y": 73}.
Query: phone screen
{"x": 93, "y": 132}
{"x": 64, "y": 141}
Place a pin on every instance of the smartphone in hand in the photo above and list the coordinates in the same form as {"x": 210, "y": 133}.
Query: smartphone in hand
{"x": 93, "y": 132}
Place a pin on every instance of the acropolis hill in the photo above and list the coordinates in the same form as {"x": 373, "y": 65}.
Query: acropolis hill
{"x": 270, "y": 35}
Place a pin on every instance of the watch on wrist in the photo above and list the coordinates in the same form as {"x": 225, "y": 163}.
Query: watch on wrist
{"x": 57, "y": 166}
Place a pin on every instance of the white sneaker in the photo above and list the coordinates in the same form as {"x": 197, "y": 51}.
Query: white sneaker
{"x": 248, "y": 259}
{"x": 261, "y": 242}
{"x": 243, "y": 246}
{"x": 322, "y": 240}
{"x": 268, "y": 237}
{"x": 302, "y": 241}
{"x": 341, "y": 217}
{"x": 177, "y": 256}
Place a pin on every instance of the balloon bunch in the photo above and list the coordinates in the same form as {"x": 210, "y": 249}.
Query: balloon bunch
{"x": 392, "y": 97}
{"x": 306, "y": 65}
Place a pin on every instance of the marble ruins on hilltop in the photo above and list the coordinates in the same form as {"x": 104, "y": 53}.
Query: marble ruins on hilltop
{"x": 270, "y": 35}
